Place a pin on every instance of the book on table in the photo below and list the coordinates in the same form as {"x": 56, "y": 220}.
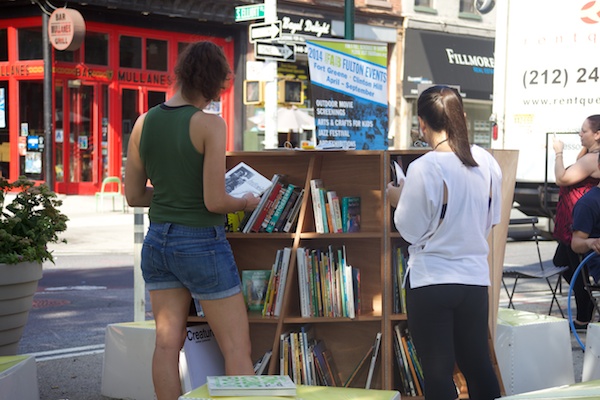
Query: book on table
{"x": 251, "y": 385}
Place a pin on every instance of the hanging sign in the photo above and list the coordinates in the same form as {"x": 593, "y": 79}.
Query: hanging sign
{"x": 66, "y": 29}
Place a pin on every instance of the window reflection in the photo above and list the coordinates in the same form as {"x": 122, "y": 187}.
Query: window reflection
{"x": 130, "y": 52}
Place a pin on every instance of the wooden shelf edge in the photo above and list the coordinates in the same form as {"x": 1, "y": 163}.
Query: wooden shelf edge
{"x": 328, "y": 320}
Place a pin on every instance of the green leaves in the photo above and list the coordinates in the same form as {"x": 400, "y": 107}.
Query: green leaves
{"x": 29, "y": 222}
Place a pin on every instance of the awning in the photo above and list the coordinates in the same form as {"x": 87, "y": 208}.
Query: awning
{"x": 444, "y": 58}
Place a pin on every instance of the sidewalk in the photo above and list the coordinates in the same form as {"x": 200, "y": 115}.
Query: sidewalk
{"x": 109, "y": 232}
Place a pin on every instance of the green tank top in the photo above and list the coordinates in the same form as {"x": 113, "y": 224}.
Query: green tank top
{"x": 175, "y": 168}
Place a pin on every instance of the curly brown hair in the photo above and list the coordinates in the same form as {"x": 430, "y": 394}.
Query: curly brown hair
{"x": 202, "y": 70}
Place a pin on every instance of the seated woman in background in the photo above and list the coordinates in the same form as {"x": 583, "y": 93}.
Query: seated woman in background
{"x": 574, "y": 181}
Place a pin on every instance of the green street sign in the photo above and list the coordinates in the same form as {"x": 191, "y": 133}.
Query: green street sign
{"x": 247, "y": 13}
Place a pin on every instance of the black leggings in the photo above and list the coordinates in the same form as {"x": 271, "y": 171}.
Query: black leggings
{"x": 585, "y": 306}
{"x": 449, "y": 325}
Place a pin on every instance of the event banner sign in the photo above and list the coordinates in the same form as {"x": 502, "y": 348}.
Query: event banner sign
{"x": 349, "y": 84}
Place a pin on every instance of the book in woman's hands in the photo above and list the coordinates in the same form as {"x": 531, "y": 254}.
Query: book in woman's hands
{"x": 251, "y": 385}
{"x": 397, "y": 173}
{"x": 242, "y": 179}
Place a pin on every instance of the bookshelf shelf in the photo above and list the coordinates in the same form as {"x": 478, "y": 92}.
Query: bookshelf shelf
{"x": 361, "y": 174}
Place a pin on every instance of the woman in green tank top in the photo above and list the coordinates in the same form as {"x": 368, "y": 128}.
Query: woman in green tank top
{"x": 181, "y": 150}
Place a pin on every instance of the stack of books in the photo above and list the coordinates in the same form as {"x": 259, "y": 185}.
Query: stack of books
{"x": 333, "y": 214}
{"x": 328, "y": 285}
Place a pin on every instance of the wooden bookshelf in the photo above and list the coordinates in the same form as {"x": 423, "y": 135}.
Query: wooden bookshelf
{"x": 349, "y": 173}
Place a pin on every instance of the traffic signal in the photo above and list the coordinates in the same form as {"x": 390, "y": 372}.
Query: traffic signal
{"x": 290, "y": 92}
{"x": 253, "y": 92}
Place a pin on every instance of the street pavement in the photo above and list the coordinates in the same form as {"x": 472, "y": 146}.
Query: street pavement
{"x": 111, "y": 232}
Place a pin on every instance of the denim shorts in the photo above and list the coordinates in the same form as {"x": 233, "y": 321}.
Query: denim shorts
{"x": 199, "y": 259}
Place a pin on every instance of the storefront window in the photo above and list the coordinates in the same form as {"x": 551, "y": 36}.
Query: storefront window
{"x": 3, "y": 45}
{"x": 467, "y": 6}
{"x": 156, "y": 54}
{"x": 155, "y": 98}
{"x": 96, "y": 48}
{"x": 423, "y": 3}
{"x": 31, "y": 125}
{"x": 67, "y": 56}
{"x": 181, "y": 47}
{"x": 129, "y": 113}
{"x": 4, "y": 140}
{"x": 130, "y": 52}
{"x": 81, "y": 132}
{"x": 30, "y": 44}
{"x": 104, "y": 141}
{"x": 59, "y": 133}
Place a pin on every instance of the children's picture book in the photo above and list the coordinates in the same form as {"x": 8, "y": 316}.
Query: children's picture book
{"x": 251, "y": 385}
{"x": 243, "y": 178}
{"x": 351, "y": 213}
{"x": 254, "y": 287}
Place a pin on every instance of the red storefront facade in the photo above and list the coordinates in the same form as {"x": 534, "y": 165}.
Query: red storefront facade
{"x": 98, "y": 91}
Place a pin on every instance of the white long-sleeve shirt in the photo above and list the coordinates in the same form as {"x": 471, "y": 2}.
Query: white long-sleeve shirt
{"x": 454, "y": 249}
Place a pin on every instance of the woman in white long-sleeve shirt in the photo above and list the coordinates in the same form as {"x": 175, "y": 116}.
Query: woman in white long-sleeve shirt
{"x": 446, "y": 208}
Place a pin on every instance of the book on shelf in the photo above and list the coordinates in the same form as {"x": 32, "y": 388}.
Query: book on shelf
{"x": 264, "y": 212}
{"x": 376, "y": 347}
{"x": 197, "y": 308}
{"x": 271, "y": 210}
{"x": 411, "y": 364}
{"x": 254, "y": 287}
{"x": 356, "y": 289}
{"x": 324, "y": 215}
{"x": 416, "y": 363}
{"x": 315, "y": 192}
{"x": 358, "y": 368}
{"x": 234, "y": 221}
{"x": 326, "y": 283}
{"x": 292, "y": 218}
{"x": 285, "y": 212}
{"x": 332, "y": 368}
{"x": 284, "y": 353}
{"x": 412, "y": 385}
{"x": 398, "y": 274}
{"x": 335, "y": 211}
{"x": 250, "y": 219}
{"x": 303, "y": 282}
{"x": 251, "y": 385}
{"x": 243, "y": 179}
{"x": 403, "y": 371}
{"x": 325, "y": 366}
{"x": 283, "y": 273}
{"x": 261, "y": 365}
{"x": 199, "y": 357}
{"x": 279, "y": 206}
{"x": 277, "y": 281}
{"x": 351, "y": 213}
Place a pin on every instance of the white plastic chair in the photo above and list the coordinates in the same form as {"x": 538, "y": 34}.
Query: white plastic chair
{"x": 111, "y": 188}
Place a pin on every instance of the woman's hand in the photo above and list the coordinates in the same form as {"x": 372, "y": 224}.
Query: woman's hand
{"x": 251, "y": 201}
{"x": 393, "y": 192}
{"x": 558, "y": 145}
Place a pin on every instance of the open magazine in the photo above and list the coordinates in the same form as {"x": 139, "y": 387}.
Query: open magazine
{"x": 242, "y": 179}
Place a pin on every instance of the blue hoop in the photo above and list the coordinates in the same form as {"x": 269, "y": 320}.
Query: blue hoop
{"x": 570, "y": 315}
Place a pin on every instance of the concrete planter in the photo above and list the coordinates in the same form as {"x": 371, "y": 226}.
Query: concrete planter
{"x": 18, "y": 283}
